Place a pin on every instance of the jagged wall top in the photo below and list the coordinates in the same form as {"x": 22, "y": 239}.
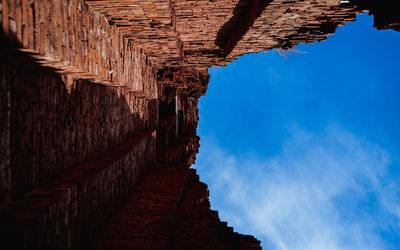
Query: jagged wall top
{"x": 203, "y": 33}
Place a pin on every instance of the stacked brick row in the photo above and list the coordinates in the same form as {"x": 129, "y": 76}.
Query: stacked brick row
{"x": 144, "y": 75}
{"x": 198, "y": 24}
{"x": 68, "y": 37}
{"x": 68, "y": 212}
{"x": 243, "y": 18}
{"x": 57, "y": 123}
{"x": 147, "y": 24}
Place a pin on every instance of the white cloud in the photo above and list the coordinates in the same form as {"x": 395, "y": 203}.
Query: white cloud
{"x": 327, "y": 190}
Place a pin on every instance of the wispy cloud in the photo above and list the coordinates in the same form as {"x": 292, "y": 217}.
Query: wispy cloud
{"x": 326, "y": 190}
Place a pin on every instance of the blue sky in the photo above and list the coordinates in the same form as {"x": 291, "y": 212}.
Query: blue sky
{"x": 303, "y": 152}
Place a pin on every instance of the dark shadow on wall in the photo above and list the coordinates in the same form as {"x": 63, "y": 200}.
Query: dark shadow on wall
{"x": 50, "y": 123}
{"x": 244, "y": 15}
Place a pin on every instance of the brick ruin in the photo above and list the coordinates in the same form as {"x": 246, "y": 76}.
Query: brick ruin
{"x": 98, "y": 112}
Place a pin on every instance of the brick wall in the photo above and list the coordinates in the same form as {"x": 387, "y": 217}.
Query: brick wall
{"x": 57, "y": 122}
{"x": 68, "y": 37}
{"x": 73, "y": 149}
{"x": 69, "y": 211}
{"x": 170, "y": 209}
